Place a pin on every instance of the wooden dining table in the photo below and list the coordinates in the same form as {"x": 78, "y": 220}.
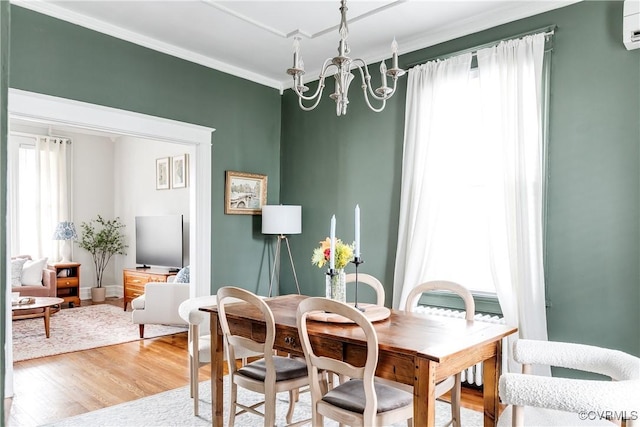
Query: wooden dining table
{"x": 414, "y": 349}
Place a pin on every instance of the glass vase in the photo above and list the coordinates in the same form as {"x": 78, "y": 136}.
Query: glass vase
{"x": 336, "y": 286}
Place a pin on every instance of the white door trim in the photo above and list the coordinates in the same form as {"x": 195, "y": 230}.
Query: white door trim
{"x": 44, "y": 108}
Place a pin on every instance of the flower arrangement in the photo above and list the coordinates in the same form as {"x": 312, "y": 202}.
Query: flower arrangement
{"x": 322, "y": 254}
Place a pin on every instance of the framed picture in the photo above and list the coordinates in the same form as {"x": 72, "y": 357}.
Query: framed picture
{"x": 245, "y": 193}
{"x": 162, "y": 173}
{"x": 179, "y": 171}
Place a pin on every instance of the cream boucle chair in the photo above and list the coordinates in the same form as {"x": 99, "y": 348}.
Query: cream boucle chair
{"x": 538, "y": 400}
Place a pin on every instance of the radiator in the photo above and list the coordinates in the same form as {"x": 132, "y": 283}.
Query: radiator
{"x": 472, "y": 375}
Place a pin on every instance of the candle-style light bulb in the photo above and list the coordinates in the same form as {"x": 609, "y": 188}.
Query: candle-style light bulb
{"x": 394, "y": 53}
{"x": 383, "y": 73}
{"x": 296, "y": 51}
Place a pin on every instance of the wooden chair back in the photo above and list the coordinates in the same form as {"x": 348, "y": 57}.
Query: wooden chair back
{"x": 230, "y": 294}
{"x": 464, "y": 293}
{"x": 317, "y": 363}
{"x": 372, "y": 282}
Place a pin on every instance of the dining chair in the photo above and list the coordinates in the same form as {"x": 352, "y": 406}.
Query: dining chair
{"x": 360, "y": 401}
{"x": 371, "y": 281}
{"x": 453, "y": 382}
{"x": 199, "y": 341}
{"x": 539, "y": 400}
{"x": 269, "y": 375}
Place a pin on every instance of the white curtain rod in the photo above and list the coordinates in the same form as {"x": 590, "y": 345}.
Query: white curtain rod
{"x": 548, "y": 32}
{"x": 33, "y": 135}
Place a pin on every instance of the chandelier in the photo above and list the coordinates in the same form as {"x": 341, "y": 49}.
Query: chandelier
{"x": 343, "y": 75}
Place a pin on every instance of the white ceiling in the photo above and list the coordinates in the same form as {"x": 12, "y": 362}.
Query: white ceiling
{"x": 253, "y": 39}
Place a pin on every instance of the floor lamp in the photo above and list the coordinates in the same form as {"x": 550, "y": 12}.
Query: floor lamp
{"x": 281, "y": 220}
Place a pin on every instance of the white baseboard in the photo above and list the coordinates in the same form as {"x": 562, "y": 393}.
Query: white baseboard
{"x": 116, "y": 291}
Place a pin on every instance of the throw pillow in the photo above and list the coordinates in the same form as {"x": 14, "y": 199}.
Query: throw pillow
{"x": 16, "y": 271}
{"x": 183, "y": 275}
{"x": 32, "y": 272}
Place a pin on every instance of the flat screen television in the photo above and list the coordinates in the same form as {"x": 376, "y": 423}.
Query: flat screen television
{"x": 159, "y": 241}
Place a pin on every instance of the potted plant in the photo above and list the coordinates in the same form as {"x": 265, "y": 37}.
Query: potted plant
{"x": 102, "y": 239}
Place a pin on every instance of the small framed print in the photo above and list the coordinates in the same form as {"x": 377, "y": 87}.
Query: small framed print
{"x": 245, "y": 193}
{"x": 179, "y": 171}
{"x": 162, "y": 174}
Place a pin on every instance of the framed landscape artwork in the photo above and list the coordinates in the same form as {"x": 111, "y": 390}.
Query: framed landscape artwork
{"x": 179, "y": 171}
{"x": 245, "y": 193}
{"x": 162, "y": 173}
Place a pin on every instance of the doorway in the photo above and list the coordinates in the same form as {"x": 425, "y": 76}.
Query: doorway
{"x": 29, "y": 106}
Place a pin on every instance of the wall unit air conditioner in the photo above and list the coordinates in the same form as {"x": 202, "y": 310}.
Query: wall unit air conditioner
{"x": 631, "y": 24}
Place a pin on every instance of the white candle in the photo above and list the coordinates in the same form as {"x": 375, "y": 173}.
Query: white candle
{"x": 357, "y": 249}
{"x": 332, "y": 247}
{"x": 296, "y": 51}
{"x": 383, "y": 73}
{"x": 394, "y": 53}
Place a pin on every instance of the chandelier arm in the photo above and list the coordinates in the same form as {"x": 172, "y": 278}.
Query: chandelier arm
{"x": 320, "y": 89}
{"x": 312, "y": 97}
{"x": 366, "y": 81}
{"x": 315, "y": 104}
{"x": 366, "y": 98}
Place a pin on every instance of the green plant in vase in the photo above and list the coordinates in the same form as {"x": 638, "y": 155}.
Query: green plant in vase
{"x": 102, "y": 239}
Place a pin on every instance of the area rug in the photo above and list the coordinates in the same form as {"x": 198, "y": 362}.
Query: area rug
{"x": 80, "y": 328}
{"x": 175, "y": 408}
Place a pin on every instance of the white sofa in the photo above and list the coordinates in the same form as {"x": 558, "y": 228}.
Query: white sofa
{"x": 159, "y": 304}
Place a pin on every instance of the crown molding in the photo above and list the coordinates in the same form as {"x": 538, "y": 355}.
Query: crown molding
{"x": 471, "y": 26}
{"x": 52, "y": 10}
{"x": 513, "y": 10}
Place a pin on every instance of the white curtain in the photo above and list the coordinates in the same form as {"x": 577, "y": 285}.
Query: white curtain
{"x": 446, "y": 132}
{"x": 52, "y": 203}
{"x": 510, "y": 84}
{"x": 435, "y": 101}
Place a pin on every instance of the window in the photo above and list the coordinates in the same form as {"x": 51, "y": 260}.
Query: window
{"x": 38, "y": 198}
{"x": 473, "y": 171}
{"x": 27, "y": 204}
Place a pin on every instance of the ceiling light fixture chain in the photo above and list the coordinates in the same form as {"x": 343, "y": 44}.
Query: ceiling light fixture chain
{"x": 343, "y": 75}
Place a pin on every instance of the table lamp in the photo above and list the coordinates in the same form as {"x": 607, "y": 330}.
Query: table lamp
{"x": 282, "y": 220}
{"x": 65, "y": 231}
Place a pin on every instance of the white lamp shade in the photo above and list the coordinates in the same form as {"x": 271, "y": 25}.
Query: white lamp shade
{"x": 281, "y": 219}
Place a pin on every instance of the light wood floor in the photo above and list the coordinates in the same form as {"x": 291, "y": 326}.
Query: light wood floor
{"x": 56, "y": 387}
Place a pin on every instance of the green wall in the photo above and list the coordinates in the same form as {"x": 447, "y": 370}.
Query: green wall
{"x": 58, "y": 58}
{"x": 328, "y": 164}
{"x": 331, "y": 163}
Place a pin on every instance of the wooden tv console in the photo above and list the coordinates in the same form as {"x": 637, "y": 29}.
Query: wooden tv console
{"x": 134, "y": 280}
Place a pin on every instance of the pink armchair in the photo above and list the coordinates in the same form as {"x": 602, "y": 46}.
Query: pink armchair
{"x": 47, "y": 289}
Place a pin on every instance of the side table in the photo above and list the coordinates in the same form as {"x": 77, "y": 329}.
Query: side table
{"x": 67, "y": 281}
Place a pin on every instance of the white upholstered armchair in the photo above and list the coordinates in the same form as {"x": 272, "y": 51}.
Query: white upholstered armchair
{"x": 546, "y": 401}
{"x": 159, "y": 304}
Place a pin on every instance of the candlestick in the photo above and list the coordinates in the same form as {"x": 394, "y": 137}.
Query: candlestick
{"x": 357, "y": 261}
{"x": 332, "y": 245}
{"x": 357, "y": 236}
